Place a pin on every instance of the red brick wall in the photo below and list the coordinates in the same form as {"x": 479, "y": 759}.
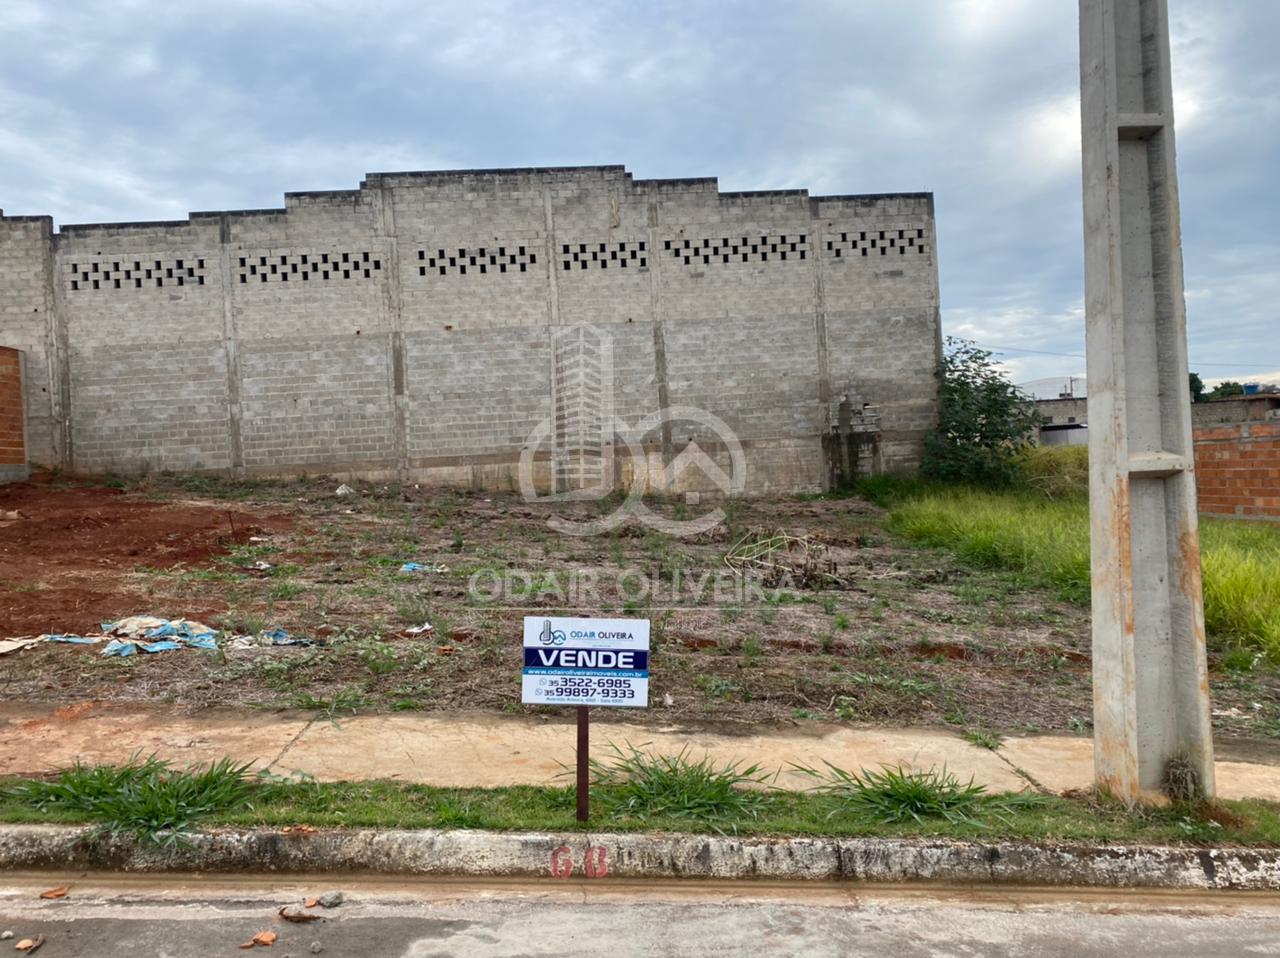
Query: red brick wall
{"x": 1238, "y": 469}
{"x": 13, "y": 450}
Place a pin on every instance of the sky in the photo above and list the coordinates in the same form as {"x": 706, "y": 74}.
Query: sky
{"x": 135, "y": 110}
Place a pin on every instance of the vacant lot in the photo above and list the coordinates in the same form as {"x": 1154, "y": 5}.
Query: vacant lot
{"x": 864, "y": 628}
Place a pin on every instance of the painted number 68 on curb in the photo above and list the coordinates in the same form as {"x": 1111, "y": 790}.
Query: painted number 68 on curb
{"x": 595, "y": 862}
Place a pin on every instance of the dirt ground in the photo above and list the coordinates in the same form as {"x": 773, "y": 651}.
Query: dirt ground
{"x": 867, "y": 630}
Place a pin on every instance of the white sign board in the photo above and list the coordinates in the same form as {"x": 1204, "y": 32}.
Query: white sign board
{"x": 586, "y": 662}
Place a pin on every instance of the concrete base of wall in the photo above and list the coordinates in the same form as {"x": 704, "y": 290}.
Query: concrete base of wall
{"x": 14, "y": 473}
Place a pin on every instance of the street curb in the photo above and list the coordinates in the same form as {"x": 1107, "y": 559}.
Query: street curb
{"x": 481, "y": 854}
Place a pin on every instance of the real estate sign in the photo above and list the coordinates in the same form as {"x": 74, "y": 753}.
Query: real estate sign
{"x": 586, "y": 662}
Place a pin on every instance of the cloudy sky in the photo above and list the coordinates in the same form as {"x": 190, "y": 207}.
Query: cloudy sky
{"x": 145, "y": 110}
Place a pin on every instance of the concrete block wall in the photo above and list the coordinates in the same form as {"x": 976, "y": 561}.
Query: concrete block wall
{"x": 414, "y": 328}
{"x": 28, "y": 323}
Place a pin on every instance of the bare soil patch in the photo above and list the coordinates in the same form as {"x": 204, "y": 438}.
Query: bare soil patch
{"x": 900, "y": 635}
{"x": 67, "y": 551}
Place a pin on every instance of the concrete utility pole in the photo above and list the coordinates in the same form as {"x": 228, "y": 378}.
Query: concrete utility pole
{"x": 1150, "y": 683}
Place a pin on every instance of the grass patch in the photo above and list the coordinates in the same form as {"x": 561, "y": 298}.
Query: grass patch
{"x": 1046, "y": 542}
{"x": 146, "y": 798}
{"x": 646, "y": 785}
{"x": 275, "y": 802}
{"x": 981, "y": 738}
{"x": 894, "y": 795}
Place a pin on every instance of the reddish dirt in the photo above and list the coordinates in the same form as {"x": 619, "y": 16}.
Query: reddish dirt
{"x": 65, "y": 558}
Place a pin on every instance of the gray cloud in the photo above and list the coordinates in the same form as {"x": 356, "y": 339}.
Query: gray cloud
{"x": 137, "y": 110}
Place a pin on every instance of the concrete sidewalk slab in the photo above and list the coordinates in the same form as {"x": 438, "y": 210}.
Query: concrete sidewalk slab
{"x": 35, "y": 740}
{"x": 491, "y": 750}
{"x": 1059, "y": 762}
{"x": 485, "y": 750}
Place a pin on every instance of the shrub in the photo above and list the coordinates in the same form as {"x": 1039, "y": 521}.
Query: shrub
{"x": 983, "y": 421}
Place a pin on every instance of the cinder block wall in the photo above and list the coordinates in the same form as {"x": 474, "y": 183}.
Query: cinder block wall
{"x": 1238, "y": 469}
{"x": 409, "y": 329}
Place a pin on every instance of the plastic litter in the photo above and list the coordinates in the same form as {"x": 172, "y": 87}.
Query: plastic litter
{"x": 420, "y": 567}
{"x": 15, "y": 645}
{"x": 419, "y": 629}
{"x": 344, "y": 490}
{"x": 270, "y": 637}
{"x": 123, "y": 647}
{"x": 73, "y": 639}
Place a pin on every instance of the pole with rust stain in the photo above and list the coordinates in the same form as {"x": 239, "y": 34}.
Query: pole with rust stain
{"x": 1150, "y": 680}
{"x": 584, "y": 778}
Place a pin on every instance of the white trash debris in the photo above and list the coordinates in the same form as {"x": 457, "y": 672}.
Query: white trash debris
{"x": 344, "y": 490}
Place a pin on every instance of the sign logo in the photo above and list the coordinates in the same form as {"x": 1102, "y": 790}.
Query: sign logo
{"x": 550, "y": 636}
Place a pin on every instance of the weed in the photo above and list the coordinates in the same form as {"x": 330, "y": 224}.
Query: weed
{"x": 146, "y": 798}
{"x": 841, "y": 621}
{"x": 379, "y": 658}
{"x": 286, "y": 590}
{"x": 644, "y": 784}
{"x": 893, "y": 795}
{"x": 984, "y": 739}
{"x": 828, "y": 604}
{"x": 731, "y": 613}
{"x": 716, "y": 686}
{"x": 752, "y": 649}
{"x": 344, "y": 700}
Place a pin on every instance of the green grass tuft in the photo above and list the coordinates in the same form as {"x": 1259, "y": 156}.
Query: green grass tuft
{"x": 894, "y": 795}
{"x": 146, "y": 798}
{"x": 644, "y": 785}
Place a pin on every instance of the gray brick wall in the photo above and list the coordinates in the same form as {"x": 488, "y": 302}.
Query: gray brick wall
{"x": 408, "y": 327}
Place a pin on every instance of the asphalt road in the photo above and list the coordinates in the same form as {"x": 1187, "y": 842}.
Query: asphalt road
{"x": 140, "y": 917}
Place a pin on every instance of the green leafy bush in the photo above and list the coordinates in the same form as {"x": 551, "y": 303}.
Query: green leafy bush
{"x": 984, "y": 422}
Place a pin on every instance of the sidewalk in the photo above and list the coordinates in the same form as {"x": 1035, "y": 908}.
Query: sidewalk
{"x": 490, "y": 750}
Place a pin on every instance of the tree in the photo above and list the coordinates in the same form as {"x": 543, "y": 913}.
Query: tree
{"x": 1228, "y": 387}
{"x": 1197, "y": 387}
{"x": 983, "y": 423}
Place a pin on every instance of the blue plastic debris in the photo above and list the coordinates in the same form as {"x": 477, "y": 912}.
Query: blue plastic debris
{"x": 73, "y": 639}
{"x": 164, "y": 645}
{"x": 167, "y": 635}
{"x": 412, "y": 567}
